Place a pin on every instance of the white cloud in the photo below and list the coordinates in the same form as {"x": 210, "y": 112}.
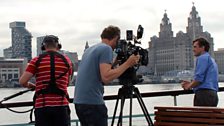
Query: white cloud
{"x": 78, "y": 21}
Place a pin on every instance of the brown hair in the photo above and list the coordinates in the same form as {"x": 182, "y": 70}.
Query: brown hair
{"x": 110, "y": 32}
{"x": 202, "y": 42}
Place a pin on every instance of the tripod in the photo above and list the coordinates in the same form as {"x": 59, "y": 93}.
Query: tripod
{"x": 126, "y": 91}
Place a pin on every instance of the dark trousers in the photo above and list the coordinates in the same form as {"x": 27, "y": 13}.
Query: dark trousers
{"x": 206, "y": 97}
{"x": 92, "y": 115}
{"x": 52, "y": 116}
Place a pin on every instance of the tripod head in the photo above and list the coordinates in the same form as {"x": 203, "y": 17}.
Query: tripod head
{"x": 129, "y": 77}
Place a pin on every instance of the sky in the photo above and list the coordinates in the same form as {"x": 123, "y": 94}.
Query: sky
{"x": 78, "y": 21}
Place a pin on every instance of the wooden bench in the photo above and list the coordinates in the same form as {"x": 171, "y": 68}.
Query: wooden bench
{"x": 189, "y": 116}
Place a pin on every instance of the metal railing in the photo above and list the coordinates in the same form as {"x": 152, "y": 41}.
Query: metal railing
{"x": 173, "y": 93}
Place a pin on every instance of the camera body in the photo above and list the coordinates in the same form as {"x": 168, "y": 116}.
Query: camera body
{"x": 124, "y": 50}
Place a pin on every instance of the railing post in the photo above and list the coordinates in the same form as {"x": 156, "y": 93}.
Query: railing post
{"x": 77, "y": 123}
{"x": 175, "y": 100}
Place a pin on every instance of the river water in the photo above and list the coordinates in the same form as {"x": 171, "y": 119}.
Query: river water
{"x": 7, "y": 117}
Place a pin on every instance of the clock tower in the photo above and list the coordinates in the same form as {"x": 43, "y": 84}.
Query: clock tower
{"x": 194, "y": 27}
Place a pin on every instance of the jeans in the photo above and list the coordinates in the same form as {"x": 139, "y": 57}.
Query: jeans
{"x": 52, "y": 116}
{"x": 92, "y": 115}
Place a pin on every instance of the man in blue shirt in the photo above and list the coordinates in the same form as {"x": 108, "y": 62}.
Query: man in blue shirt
{"x": 95, "y": 70}
{"x": 205, "y": 83}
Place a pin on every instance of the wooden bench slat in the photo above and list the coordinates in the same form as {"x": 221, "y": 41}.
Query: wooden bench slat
{"x": 176, "y": 124}
{"x": 214, "y": 109}
{"x": 189, "y": 110}
{"x": 189, "y": 120}
{"x": 190, "y": 114}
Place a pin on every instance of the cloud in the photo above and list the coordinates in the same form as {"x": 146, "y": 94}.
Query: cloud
{"x": 78, "y": 21}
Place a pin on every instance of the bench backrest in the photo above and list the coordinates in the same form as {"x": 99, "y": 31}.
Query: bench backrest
{"x": 189, "y": 116}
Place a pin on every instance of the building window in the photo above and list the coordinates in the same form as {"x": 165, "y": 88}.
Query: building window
{"x": 9, "y": 76}
{"x": 16, "y": 76}
{"x": 3, "y": 76}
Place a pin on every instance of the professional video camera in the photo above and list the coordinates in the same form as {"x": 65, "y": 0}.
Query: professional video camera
{"x": 125, "y": 49}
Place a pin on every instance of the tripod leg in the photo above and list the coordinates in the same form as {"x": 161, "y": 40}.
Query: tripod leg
{"x": 115, "y": 109}
{"x": 144, "y": 109}
{"x": 119, "y": 123}
{"x": 130, "y": 115}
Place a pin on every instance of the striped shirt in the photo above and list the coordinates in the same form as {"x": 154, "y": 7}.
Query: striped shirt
{"x": 42, "y": 74}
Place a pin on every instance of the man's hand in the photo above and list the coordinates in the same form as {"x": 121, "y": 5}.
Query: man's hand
{"x": 186, "y": 85}
{"x": 133, "y": 60}
{"x": 31, "y": 85}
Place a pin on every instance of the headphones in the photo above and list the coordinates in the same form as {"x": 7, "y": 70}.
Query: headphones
{"x": 50, "y": 38}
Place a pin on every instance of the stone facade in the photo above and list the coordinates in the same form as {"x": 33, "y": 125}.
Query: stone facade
{"x": 11, "y": 69}
{"x": 39, "y": 44}
{"x": 219, "y": 58}
{"x": 169, "y": 53}
{"x": 8, "y": 52}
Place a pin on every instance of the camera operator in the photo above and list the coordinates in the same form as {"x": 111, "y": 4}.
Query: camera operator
{"x": 94, "y": 71}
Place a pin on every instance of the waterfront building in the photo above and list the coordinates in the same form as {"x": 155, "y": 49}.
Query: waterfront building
{"x": 21, "y": 41}
{"x": 219, "y": 58}
{"x": 170, "y": 53}
{"x": 73, "y": 57}
{"x": 39, "y": 43}
{"x": 7, "y": 52}
{"x": 11, "y": 70}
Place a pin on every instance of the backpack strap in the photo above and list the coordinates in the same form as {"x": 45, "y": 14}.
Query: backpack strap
{"x": 52, "y": 86}
{"x": 66, "y": 64}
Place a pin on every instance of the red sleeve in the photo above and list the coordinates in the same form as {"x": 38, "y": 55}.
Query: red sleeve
{"x": 31, "y": 66}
